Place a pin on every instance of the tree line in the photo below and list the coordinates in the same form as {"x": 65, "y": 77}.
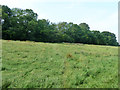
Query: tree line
{"x": 23, "y": 24}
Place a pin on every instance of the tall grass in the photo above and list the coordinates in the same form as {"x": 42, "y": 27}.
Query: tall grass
{"x": 47, "y": 65}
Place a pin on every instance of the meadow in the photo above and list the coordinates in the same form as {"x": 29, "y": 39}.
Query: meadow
{"x": 28, "y": 64}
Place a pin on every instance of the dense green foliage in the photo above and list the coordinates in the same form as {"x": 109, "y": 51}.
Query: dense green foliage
{"x": 19, "y": 24}
{"x": 51, "y": 65}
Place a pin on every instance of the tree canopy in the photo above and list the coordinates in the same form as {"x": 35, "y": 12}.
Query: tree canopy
{"x": 23, "y": 24}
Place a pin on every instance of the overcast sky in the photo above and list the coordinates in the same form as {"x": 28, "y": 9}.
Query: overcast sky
{"x": 100, "y": 15}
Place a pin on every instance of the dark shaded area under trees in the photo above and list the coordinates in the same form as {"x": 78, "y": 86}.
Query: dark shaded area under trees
{"x": 19, "y": 24}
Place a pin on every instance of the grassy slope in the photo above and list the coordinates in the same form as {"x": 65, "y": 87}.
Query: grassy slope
{"x": 46, "y": 65}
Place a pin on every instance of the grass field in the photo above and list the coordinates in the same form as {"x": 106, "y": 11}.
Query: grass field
{"x": 47, "y": 65}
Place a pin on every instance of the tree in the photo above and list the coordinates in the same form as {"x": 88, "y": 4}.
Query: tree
{"x": 110, "y": 38}
{"x": 6, "y": 15}
{"x": 19, "y": 23}
{"x": 84, "y": 26}
{"x": 22, "y": 24}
